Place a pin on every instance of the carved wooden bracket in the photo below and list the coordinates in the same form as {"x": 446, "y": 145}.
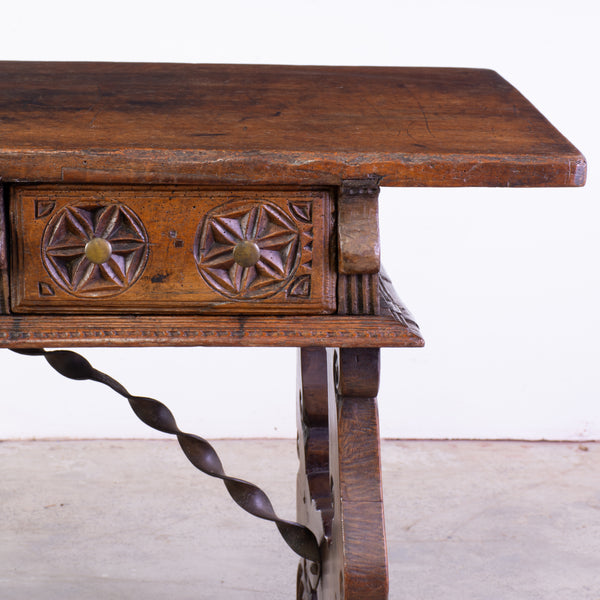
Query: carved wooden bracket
{"x": 339, "y": 482}
{"x": 358, "y": 227}
{"x": 358, "y": 247}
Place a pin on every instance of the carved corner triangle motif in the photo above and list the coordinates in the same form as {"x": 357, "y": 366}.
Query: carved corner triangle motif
{"x": 300, "y": 287}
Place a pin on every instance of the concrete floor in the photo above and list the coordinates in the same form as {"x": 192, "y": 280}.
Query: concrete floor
{"x": 132, "y": 519}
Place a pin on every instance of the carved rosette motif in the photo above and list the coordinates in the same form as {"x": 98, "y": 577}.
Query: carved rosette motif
{"x": 73, "y": 227}
{"x": 275, "y": 234}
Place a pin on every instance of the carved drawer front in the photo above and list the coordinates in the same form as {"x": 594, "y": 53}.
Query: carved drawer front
{"x": 158, "y": 249}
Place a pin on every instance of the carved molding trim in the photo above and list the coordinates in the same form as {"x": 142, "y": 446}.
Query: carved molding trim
{"x": 158, "y": 330}
{"x": 69, "y": 231}
{"x": 393, "y": 305}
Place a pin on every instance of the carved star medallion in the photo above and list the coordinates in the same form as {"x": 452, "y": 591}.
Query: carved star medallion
{"x": 247, "y": 250}
{"x": 73, "y": 234}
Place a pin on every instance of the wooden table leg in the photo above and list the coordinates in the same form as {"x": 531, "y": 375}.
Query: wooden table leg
{"x": 339, "y": 481}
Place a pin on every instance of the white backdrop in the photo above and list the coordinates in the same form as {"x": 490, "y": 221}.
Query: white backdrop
{"x": 504, "y": 282}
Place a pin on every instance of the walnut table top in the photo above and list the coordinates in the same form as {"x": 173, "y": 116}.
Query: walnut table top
{"x": 174, "y": 123}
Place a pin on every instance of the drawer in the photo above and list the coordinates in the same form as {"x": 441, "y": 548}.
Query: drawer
{"x": 170, "y": 250}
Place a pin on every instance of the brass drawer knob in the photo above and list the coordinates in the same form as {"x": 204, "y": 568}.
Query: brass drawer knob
{"x": 246, "y": 253}
{"x": 98, "y": 250}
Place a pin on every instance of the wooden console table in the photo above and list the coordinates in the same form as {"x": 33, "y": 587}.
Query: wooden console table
{"x": 222, "y": 205}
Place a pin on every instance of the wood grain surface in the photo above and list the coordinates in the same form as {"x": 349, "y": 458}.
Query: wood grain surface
{"x": 176, "y": 123}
